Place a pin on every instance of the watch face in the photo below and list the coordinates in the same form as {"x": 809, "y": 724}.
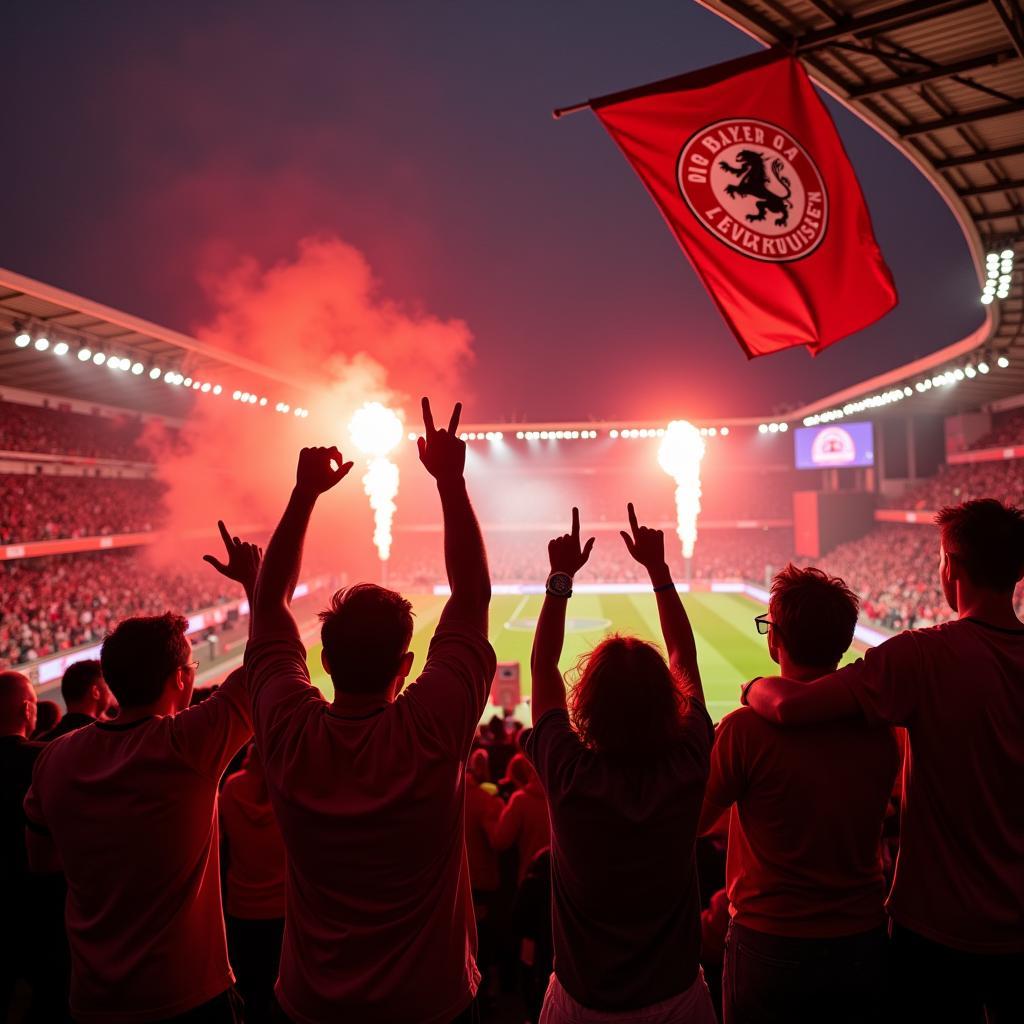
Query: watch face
{"x": 560, "y": 583}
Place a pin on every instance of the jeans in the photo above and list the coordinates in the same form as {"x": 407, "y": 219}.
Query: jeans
{"x": 775, "y": 979}
{"x": 948, "y": 986}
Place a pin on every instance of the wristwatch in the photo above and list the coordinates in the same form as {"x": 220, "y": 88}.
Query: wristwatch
{"x": 559, "y": 584}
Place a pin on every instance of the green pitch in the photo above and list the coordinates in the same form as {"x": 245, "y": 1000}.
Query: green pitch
{"x": 729, "y": 649}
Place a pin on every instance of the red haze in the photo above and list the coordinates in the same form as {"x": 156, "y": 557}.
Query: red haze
{"x": 319, "y": 316}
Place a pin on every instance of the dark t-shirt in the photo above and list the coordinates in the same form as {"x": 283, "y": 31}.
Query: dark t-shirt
{"x": 17, "y": 756}
{"x": 69, "y": 723}
{"x": 626, "y": 911}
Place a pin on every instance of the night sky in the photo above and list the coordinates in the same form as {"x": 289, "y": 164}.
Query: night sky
{"x": 150, "y": 147}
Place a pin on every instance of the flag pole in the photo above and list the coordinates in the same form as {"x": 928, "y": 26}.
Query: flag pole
{"x": 565, "y": 111}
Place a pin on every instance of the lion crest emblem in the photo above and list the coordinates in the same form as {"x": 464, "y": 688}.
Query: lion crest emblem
{"x": 754, "y": 182}
{"x": 753, "y": 186}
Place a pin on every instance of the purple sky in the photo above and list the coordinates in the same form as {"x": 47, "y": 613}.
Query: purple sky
{"x": 150, "y": 146}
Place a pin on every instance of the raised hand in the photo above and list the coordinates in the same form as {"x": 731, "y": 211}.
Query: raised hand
{"x": 319, "y": 470}
{"x": 647, "y": 546}
{"x": 442, "y": 452}
{"x": 243, "y": 564}
{"x": 565, "y": 552}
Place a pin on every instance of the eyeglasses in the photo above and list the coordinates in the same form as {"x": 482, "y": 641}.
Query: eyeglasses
{"x": 763, "y": 623}
{"x": 194, "y": 665}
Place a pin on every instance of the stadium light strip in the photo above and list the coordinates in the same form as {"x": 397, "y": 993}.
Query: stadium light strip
{"x": 23, "y": 339}
{"x": 999, "y": 267}
{"x": 947, "y": 378}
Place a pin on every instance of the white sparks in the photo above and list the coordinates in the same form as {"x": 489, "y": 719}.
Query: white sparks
{"x": 376, "y": 430}
{"x": 680, "y": 454}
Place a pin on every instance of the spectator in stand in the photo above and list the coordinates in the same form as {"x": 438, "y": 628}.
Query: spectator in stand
{"x": 54, "y": 604}
{"x": 47, "y": 718}
{"x": 524, "y": 820}
{"x": 129, "y": 809}
{"x": 483, "y": 809}
{"x": 624, "y": 775}
{"x": 500, "y": 746}
{"x": 49, "y": 507}
{"x": 370, "y": 791}
{"x": 17, "y": 756}
{"x": 809, "y": 895}
{"x": 254, "y": 857}
{"x": 33, "y": 428}
{"x": 532, "y": 917}
{"x": 957, "y": 900}
{"x": 86, "y": 697}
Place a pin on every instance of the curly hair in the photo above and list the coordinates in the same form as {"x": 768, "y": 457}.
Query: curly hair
{"x": 626, "y": 699}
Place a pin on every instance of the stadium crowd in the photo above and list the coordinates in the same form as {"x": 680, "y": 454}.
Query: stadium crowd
{"x": 45, "y": 431}
{"x": 59, "y": 602}
{"x": 1007, "y": 429}
{"x": 361, "y": 839}
{"x": 1003, "y": 480}
{"x": 45, "y": 507}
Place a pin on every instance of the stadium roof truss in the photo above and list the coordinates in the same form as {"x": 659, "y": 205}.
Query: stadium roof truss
{"x": 944, "y": 81}
{"x": 41, "y": 310}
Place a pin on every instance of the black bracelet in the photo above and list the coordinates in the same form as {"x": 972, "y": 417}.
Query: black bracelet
{"x": 665, "y": 586}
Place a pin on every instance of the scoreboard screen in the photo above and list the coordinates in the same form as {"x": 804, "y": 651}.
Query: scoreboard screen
{"x": 834, "y": 445}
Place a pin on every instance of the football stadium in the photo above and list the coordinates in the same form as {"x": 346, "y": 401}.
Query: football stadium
{"x": 481, "y": 812}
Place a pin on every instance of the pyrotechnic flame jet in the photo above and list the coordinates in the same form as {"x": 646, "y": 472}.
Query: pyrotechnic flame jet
{"x": 680, "y": 455}
{"x": 376, "y": 430}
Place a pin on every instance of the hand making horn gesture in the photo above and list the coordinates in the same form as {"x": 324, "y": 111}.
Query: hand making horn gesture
{"x": 442, "y": 452}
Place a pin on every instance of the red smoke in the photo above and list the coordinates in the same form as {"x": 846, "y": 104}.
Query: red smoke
{"x": 319, "y": 317}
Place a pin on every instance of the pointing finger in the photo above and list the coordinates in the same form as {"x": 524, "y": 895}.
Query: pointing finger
{"x": 453, "y": 423}
{"x": 224, "y": 535}
{"x": 575, "y": 522}
{"x": 633, "y": 524}
{"x": 428, "y": 418}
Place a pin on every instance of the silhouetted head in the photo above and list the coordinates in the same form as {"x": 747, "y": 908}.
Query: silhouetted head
{"x": 84, "y": 689}
{"x": 626, "y": 699}
{"x": 47, "y": 716}
{"x": 480, "y": 766}
{"x": 17, "y": 704}
{"x": 813, "y": 616}
{"x": 982, "y": 547}
{"x": 749, "y": 156}
{"x": 520, "y": 772}
{"x": 366, "y": 634}
{"x": 148, "y": 659}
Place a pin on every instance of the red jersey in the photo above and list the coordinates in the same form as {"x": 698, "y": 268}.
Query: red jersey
{"x": 379, "y": 925}
{"x": 483, "y": 809}
{"x": 524, "y": 822}
{"x": 255, "y": 850}
{"x": 132, "y": 811}
{"x": 959, "y": 690}
{"x": 804, "y": 855}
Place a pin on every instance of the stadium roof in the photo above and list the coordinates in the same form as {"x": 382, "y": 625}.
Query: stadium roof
{"x": 41, "y": 310}
{"x": 944, "y": 81}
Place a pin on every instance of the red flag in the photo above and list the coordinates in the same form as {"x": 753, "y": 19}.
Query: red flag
{"x": 747, "y": 167}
